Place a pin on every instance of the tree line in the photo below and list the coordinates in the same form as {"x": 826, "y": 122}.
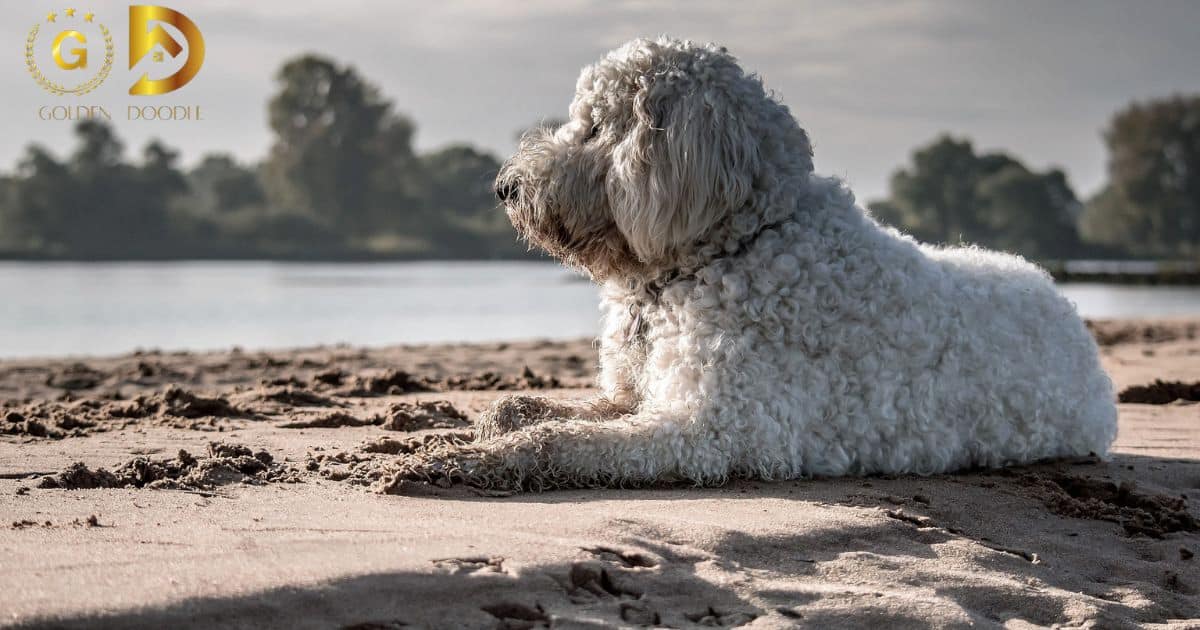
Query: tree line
{"x": 1149, "y": 208}
{"x": 342, "y": 181}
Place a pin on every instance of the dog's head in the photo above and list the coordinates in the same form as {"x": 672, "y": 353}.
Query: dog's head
{"x": 667, "y": 140}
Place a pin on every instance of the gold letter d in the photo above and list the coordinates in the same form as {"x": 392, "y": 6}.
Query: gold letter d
{"x": 143, "y": 39}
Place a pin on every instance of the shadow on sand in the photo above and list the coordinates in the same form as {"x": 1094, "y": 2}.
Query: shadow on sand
{"x": 893, "y": 552}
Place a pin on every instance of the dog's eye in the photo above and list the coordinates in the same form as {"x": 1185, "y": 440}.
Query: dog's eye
{"x": 591, "y": 133}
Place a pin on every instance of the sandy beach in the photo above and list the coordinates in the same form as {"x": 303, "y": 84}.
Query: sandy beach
{"x": 242, "y": 489}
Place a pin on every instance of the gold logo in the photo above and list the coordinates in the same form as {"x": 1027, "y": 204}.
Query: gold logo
{"x": 70, "y": 53}
{"x": 147, "y": 39}
{"x": 144, "y": 37}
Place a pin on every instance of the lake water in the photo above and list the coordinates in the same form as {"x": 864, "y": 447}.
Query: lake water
{"x": 50, "y": 309}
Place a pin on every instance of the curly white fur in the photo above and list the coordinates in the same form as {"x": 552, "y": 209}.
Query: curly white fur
{"x": 756, "y": 321}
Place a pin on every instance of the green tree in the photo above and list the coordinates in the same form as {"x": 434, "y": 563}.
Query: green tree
{"x": 95, "y": 205}
{"x": 41, "y": 196}
{"x": 936, "y": 195}
{"x": 951, "y": 194}
{"x": 1030, "y": 213}
{"x": 159, "y": 176}
{"x": 220, "y": 185}
{"x": 1151, "y": 205}
{"x": 341, "y": 155}
{"x": 460, "y": 179}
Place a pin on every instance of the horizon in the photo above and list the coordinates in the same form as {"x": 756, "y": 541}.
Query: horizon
{"x": 1037, "y": 82}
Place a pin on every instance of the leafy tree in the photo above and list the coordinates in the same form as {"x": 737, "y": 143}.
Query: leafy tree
{"x": 937, "y": 194}
{"x": 221, "y": 185}
{"x": 460, "y": 179}
{"x": 1030, "y": 213}
{"x": 1151, "y": 205}
{"x": 95, "y": 205}
{"x": 40, "y": 200}
{"x": 160, "y": 176}
{"x": 99, "y": 179}
{"x": 340, "y": 153}
{"x": 951, "y": 194}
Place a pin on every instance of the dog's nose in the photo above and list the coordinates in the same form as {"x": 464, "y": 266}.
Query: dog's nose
{"x": 506, "y": 189}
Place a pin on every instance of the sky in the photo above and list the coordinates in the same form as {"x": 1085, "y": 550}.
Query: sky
{"x": 868, "y": 80}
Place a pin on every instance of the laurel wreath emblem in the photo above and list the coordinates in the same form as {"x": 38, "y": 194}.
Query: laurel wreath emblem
{"x": 56, "y": 88}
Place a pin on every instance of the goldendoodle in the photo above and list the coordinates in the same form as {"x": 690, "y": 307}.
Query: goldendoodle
{"x": 757, "y": 322}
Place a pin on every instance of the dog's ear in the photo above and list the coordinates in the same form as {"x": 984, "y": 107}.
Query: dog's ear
{"x": 688, "y": 159}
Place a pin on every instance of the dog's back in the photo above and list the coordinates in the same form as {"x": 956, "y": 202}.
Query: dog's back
{"x": 834, "y": 346}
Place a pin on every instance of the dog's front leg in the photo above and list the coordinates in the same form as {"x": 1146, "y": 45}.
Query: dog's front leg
{"x": 633, "y": 450}
{"x": 511, "y": 413}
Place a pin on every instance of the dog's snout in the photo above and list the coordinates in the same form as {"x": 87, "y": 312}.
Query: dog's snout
{"x": 507, "y": 189}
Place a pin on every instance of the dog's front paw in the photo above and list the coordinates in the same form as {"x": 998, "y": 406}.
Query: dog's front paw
{"x": 469, "y": 467}
{"x": 511, "y": 413}
{"x": 440, "y": 467}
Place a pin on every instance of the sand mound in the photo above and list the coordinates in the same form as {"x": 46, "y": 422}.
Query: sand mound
{"x": 434, "y": 414}
{"x": 291, "y": 396}
{"x": 331, "y": 421}
{"x": 1151, "y": 515}
{"x": 59, "y": 419}
{"x": 398, "y": 382}
{"x": 47, "y": 420}
{"x": 390, "y": 383}
{"x": 1113, "y": 332}
{"x": 181, "y": 403}
{"x": 493, "y": 381}
{"x": 224, "y": 464}
{"x": 1160, "y": 392}
{"x": 74, "y": 377}
{"x": 329, "y": 378}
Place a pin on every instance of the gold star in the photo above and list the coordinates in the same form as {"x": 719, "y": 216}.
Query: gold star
{"x": 70, "y": 12}
{"x": 88, "y": 17}
{"x": 51, "y": 16}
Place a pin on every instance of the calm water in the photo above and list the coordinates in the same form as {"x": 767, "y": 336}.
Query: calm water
{"x": 81, "y": 309}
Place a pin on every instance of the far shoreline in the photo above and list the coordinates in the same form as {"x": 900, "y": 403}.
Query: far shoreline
{"x": 1107, "y": 331}
{"x": 1135, "y": 272}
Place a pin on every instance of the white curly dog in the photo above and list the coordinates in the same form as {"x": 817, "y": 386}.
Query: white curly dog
{"x": 758, "y": 323}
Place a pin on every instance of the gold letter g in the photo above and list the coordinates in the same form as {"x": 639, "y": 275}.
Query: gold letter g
{"x": 80, "y": 53}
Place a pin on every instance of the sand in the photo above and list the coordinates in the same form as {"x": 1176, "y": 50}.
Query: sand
{"x": 239, "y": 489}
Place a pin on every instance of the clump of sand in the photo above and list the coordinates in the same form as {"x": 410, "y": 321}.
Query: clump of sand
{"x": 296, "y": 397}
{"x": 429, "y": 414}
{"x": 1153, "y": 515}
{"x": 332, "y": 420}
{"x": 489, "y": 381}
{"x": 398, "y": 382}
{"x": 223, "y": 464}
{"x": 1124, "y": 331}
{"x": 180, "y": 403}
{"x": 74, "y": 377}
{"x": 1161, "y": 392}
{"x": 46, "y": 420}
{"x": 76, "y": 418}
{"x": 389, "y": 383}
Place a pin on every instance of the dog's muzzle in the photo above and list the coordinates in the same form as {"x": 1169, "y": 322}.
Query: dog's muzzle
{"x": 507, "y": 189}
